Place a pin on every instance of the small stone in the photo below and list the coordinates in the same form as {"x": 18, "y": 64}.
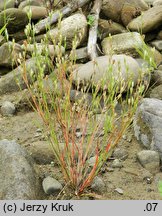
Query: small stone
{"x": 98, "y": 185}
{"x": 119, "y": 190}
{"x": 110, "y": 169}
{"x": 39, "y": 130}
{"x": 7, "y": 108}
{"x": 52, "y": 163}
{"x": 121, "y": 154}
{"x": 150, "y": 160}
{"x": 51, "y": 185}
{"x": 117, "y": 164}
{"x": 37, "y": 135}
{"x": 91, "y": 161}
{"x": 129, "y": 138}
{"x": 148, "y": 180}
{"x": 78, "y": 134}
{"x": 124, "y": 136}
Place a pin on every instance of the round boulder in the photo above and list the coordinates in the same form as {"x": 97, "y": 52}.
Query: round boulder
{"x": 16, "y": 19}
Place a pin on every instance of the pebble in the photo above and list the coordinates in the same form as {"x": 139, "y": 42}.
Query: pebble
{"x": 37, "y": 135}
{"x": 78, "y": 134}
{"x": 98, "y": 185}
{"x": 128, "y": 137}
{"x": 91, "y": 161}
{"x": 39, "y": 130}
{"x": 148, "y": 180}
{"x": 150, "y": 160}
{"x": 8, "y": 108}
{"x": 110, "y": 169}
{"x": 51, "y": 185}
{"x": 120, "y": 153}
{"x": 119, "y": 190}
{"x": 117, "y": 164}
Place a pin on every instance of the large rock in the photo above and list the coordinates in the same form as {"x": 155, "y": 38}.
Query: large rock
{"x": 123, "y": 11}
{"x": 16, "y": 19}
{"x": 4, "y": 4}
{"x": 132, "y": 9}
{"x": 14, "y": 81}
{"x": 108, "y": 27}
{"x": 149, "y": 2}
{"x": 44, "y": 49}
{"x": 157, "y": 3}
{"x": 148, "y": 21}
{"x": 125, "y": 43}
{"x": 18, "y": 178}
{"x": 9, "y": 54}
{"x": 37, "y": 12}
{"x": 148, "y": 123}
{"x": 120, "y": 68}
{"x": 29, "y": 3}
{"x": 71, "y": 27}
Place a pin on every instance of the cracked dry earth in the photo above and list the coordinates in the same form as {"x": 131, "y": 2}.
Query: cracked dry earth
{"x": 132, "y": 179}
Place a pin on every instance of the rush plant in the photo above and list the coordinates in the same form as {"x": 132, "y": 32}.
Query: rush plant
{"x": 76, "y": 132}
